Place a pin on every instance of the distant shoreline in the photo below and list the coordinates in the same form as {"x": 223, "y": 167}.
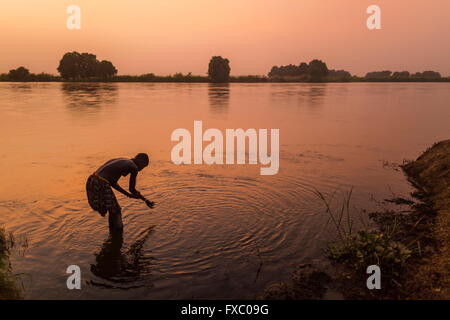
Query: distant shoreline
{"x": 85, "y": 67}
{"x": 169, "y": 79}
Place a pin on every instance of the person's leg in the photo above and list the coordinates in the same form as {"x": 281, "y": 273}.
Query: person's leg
{"x": 115, "y": 219}
{"x": 114, "y": 209}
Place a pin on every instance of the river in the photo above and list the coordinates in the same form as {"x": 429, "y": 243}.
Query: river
{"x": 216, "y": 231}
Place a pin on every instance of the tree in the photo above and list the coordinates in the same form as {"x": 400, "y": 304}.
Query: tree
{"x": 89, "y": 65}
{"x": 69, "y": 66}
{"x": 19, "y": 74}
{"x": 401, "y": 75}
{"x": 339, "y": 75}
{"x": 106, "y": 69}
{"x": 289, "y": 71}
{"x": 275, "y": 71}
{"x": 426, "y": 75}
{"x": 379, "y": 75}
{"x": 317, "y": 70}
{"x": 303, "y": 68}
{"x": 219, "y": 70}
{"x": 431, "y": 75}
{"x": 74, "y": 65}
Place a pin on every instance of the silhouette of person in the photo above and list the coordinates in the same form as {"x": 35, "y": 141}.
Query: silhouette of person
{"x": 99, "y": 186}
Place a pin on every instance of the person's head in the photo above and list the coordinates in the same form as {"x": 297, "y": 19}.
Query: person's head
{"x": 141, "y": 160}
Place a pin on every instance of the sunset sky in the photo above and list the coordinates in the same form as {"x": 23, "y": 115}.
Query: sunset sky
{"x": 168, "y": 36}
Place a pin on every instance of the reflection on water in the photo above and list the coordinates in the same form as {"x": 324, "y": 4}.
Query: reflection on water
{"x": 125, "y": 270}
{"x": 219, "y": 97}
{"x": 214, "y": 225}
{"x": 316, "y": 92}
{"x": 81, "y": 95}
{"x": 311, "y": 95}
{"x": 20, "y": 87}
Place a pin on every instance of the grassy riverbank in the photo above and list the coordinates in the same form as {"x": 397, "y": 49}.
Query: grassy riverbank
{"x": 411, "y": 245}
{"x": 430, "y": 174}
{"x": 9, "y": 288}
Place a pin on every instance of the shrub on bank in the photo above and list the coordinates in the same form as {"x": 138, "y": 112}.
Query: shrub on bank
{"x": 9, "y": 288}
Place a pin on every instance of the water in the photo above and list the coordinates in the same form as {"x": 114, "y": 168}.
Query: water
{"x": 217, "y": 231}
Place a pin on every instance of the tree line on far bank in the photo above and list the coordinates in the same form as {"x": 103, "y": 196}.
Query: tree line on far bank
{"x": 73, "y": 66}
{"x": 403, "y": 76}
{"x": 76, "y": 66}
{"x": 317, "y": 71}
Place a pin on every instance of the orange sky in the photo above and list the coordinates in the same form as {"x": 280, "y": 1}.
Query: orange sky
{"x": 168, "y": 36}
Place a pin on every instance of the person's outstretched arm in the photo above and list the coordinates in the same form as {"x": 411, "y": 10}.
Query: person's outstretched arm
{"x": 119, "y": 188}
{"x": 136, "y": 194}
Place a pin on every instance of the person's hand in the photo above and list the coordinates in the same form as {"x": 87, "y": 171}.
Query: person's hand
{"x": 149, "y": 203}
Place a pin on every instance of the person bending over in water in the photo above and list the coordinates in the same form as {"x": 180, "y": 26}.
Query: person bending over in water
{"x": 100, "y": 196}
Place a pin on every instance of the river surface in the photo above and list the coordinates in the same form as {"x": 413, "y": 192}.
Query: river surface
{"x": 217, "y": 231}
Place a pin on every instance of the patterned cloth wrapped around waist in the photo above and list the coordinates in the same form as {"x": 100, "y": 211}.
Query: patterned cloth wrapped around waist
{"x": 101, "y": 178}
{"x": 100, "y": 196}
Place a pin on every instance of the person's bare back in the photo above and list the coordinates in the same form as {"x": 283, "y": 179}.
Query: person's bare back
{"x": 114, "y": 169}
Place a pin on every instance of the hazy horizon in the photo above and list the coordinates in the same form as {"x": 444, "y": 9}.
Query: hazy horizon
{"x": 165, "y": 37}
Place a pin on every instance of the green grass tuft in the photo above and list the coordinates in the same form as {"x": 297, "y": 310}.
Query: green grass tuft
{"x": 362, "y": 248}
